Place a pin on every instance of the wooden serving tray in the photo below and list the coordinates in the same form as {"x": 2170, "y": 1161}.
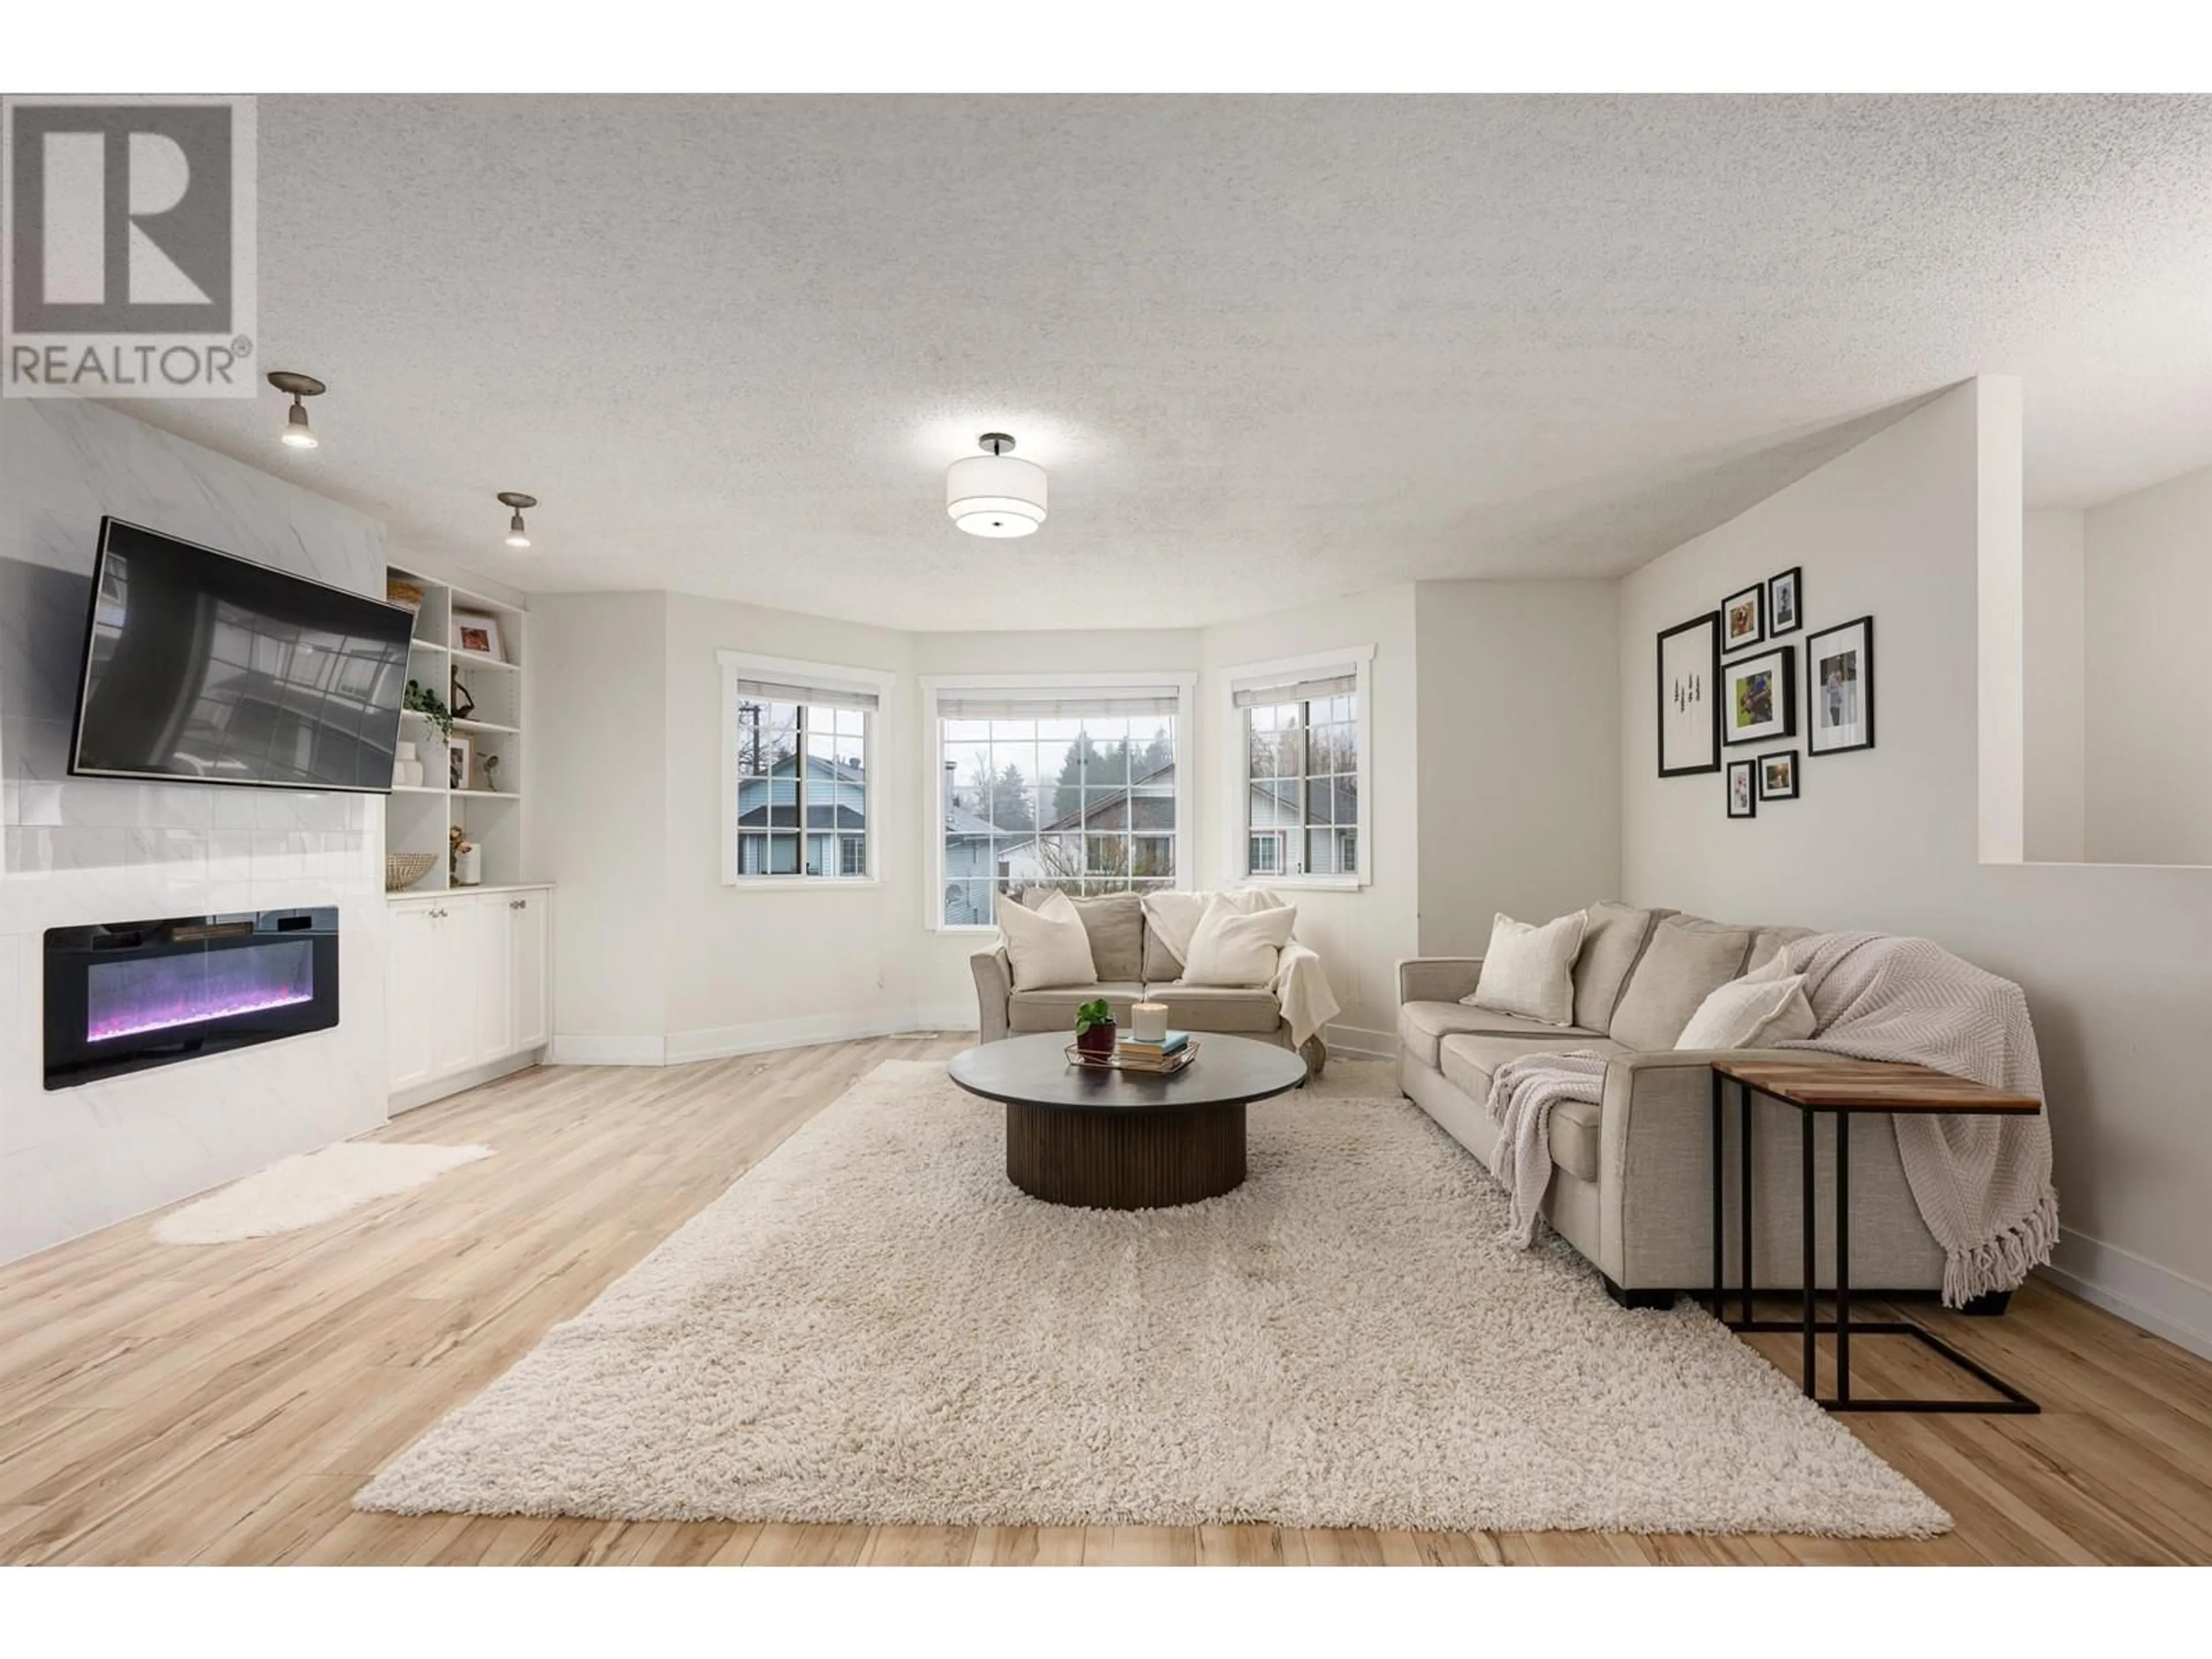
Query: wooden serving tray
{"x": 1114, "y": 1063}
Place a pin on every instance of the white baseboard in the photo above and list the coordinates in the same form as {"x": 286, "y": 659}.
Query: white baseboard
{"x": 2162, "y": 1302}
{"x": 763, "y": 1036}
{"x": 1354, "y": 1044}
{"x": 608, "y": 1051}
{"x": 423, "y": 1093}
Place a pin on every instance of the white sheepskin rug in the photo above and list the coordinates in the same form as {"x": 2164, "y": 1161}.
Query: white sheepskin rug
{"x": 873, "y": 1326}
{"x": 298, "y": 1192}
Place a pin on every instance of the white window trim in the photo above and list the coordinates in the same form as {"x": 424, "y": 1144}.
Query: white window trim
{"x": 822, "y": 677}
{"x": 934, "y": 686}
{"x": 1360, "y": 659}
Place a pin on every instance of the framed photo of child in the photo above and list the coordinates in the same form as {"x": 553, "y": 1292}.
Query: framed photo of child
{"x": 1839, "y": 689}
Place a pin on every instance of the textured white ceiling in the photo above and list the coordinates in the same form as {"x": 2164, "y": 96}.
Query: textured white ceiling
{"x": 1272, "y": 350}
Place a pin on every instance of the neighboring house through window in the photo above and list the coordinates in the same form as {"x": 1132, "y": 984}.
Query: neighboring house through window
{"x": 1304, "y": 747}
{"x": 797, "y": 788}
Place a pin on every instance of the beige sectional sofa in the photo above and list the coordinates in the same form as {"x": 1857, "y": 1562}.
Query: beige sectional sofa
{"x": 1133, "y": 964}
{"x": 1632, "y": 1186}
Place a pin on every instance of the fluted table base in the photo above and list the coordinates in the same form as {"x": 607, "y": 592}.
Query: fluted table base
{"x": 1125, "y": 1160}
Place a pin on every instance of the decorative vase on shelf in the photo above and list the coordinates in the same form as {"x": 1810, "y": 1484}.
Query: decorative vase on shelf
{"x": 406, "y": 767}
{"x": 468, "y": 868}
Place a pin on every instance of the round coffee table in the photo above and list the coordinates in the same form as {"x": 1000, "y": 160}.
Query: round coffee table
{"x": 1120, "y": 1140}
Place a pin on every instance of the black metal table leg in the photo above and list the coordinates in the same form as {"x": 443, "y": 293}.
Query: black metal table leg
{"x": 1843, "y": 1253}
{"x": 1745, "y": 1094}
{"x": 1810, "y": 1263}
{"x": 1720, "y": 1202}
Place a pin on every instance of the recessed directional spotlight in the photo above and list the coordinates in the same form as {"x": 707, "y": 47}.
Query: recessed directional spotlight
{"x": 297, "y": 432}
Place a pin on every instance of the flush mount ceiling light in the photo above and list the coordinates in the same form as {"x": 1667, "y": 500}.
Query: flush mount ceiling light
{"x": 297, "y": 432}
{"x": 993, "y": 494}
{"x": 516, "y": 535}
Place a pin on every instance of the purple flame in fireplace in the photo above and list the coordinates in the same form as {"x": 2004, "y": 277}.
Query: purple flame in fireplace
{"x": 127, "y": 998}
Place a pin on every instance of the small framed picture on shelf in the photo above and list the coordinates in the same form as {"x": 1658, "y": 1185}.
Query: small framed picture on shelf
{"x": 460, "y": 761}
{"x": 1743, "y": 789}
{"x": 1743, "y": 619}
{"x": 1785, "y": 602}
{"x": 1777, "y": 776}
{"x": 477, "y": 632}
{"x": 1689, "y": 696}
{"x": 1839, "y": 689}
{"x": 1759, "y": 697}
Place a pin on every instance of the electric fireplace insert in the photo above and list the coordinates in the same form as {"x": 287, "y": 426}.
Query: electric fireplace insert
{"x": 124, "y": 996}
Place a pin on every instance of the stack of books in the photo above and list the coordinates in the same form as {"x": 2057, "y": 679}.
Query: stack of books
{"x": 1167, "y": 1055}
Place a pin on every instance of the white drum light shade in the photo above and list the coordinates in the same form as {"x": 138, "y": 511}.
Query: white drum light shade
{"x": 995, "y": 494}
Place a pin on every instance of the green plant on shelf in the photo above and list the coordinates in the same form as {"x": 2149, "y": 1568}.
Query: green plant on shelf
{"x": 421, "y": 699}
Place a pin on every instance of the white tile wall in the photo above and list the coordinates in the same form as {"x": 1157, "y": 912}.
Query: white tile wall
{"x": 78, "y": 850}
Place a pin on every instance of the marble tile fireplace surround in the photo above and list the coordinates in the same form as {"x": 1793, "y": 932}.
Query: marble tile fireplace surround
{"x": 76, "y": 851}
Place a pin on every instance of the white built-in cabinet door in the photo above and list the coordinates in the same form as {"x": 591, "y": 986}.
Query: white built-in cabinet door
{"x": 526, "y": 976}
{"x": 410, "y": 997}
{"x": 460, "y": 961}
{"x": 494, "y": 973}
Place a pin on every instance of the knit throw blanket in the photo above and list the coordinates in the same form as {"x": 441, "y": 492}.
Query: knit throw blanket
{"x": 1982, "y": 1184}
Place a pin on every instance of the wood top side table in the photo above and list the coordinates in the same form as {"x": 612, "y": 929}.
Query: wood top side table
{"x": 1843, "y": 1087}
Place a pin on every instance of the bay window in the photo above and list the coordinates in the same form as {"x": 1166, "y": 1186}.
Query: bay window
{"x": 1073, "y": 788}
{"x": 1303, "y": 738}
{"x": 798, "y": 784}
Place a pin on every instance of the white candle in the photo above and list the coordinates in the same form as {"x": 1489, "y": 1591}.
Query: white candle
{"x": 1148, "y": 1021}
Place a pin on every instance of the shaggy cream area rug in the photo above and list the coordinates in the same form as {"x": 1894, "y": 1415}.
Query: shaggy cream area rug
{"x": 313, "y": 1186}
{"x": 873, "y": 1326}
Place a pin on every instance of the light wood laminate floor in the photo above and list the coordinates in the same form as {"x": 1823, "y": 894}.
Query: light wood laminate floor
{"x": 171, "y": 1404}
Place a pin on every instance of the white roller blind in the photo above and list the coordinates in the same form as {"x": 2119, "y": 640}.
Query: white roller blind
{"x": 1106, "y": 703}
{"x": 1258, "y": 693}
{"x": 820, "y": 696}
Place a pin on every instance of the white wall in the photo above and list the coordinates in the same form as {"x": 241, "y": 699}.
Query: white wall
{"x": 2146, "y": 605}
{"x": 598, "y": 731}
{"x": 2116, "y": 962}
{"x": 1519, "y": 734}
{"x": 1361, "y": 934}
{"x": 80, "y": 850}
{"x": 2054, "y": 680}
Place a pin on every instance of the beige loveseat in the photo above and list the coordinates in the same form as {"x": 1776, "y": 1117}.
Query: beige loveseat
{"x": 1632, "y": 1184}
{"x": 1133, "y": 964}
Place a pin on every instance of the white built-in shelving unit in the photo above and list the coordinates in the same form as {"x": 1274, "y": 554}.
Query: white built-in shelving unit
{"x": 486, "y": 803}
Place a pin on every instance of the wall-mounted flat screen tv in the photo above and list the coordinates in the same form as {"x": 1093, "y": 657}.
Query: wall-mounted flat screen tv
{"x": 204, "y": 668}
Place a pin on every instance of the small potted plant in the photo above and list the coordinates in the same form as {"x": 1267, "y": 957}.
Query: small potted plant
{"x": 1094, "y": 1027}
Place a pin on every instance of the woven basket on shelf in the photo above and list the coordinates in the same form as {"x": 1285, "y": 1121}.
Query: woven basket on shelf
{"x": 405, "y": 869}
{"x": 402, "y": 593}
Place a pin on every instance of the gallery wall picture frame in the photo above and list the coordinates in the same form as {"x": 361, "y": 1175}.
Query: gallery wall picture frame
{"x": 1839, "y": 687}
{"x": 1758, "y": 696}
{"x": 1777, "y": 775}
{"x": 1743, "y": 619}
{"x": 1742, "y": 789}
{"x": 460, "y": 761}
{"x": 1689, "y": 704}
{"x": 1785, "y": 602}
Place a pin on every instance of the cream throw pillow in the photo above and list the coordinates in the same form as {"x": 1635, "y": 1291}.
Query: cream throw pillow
{"x": 1234, "y": 947}
{"x": 1755, "y": 1011}
{"x": 1046, "y": 946}
{"x": 1530, "y": 971}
